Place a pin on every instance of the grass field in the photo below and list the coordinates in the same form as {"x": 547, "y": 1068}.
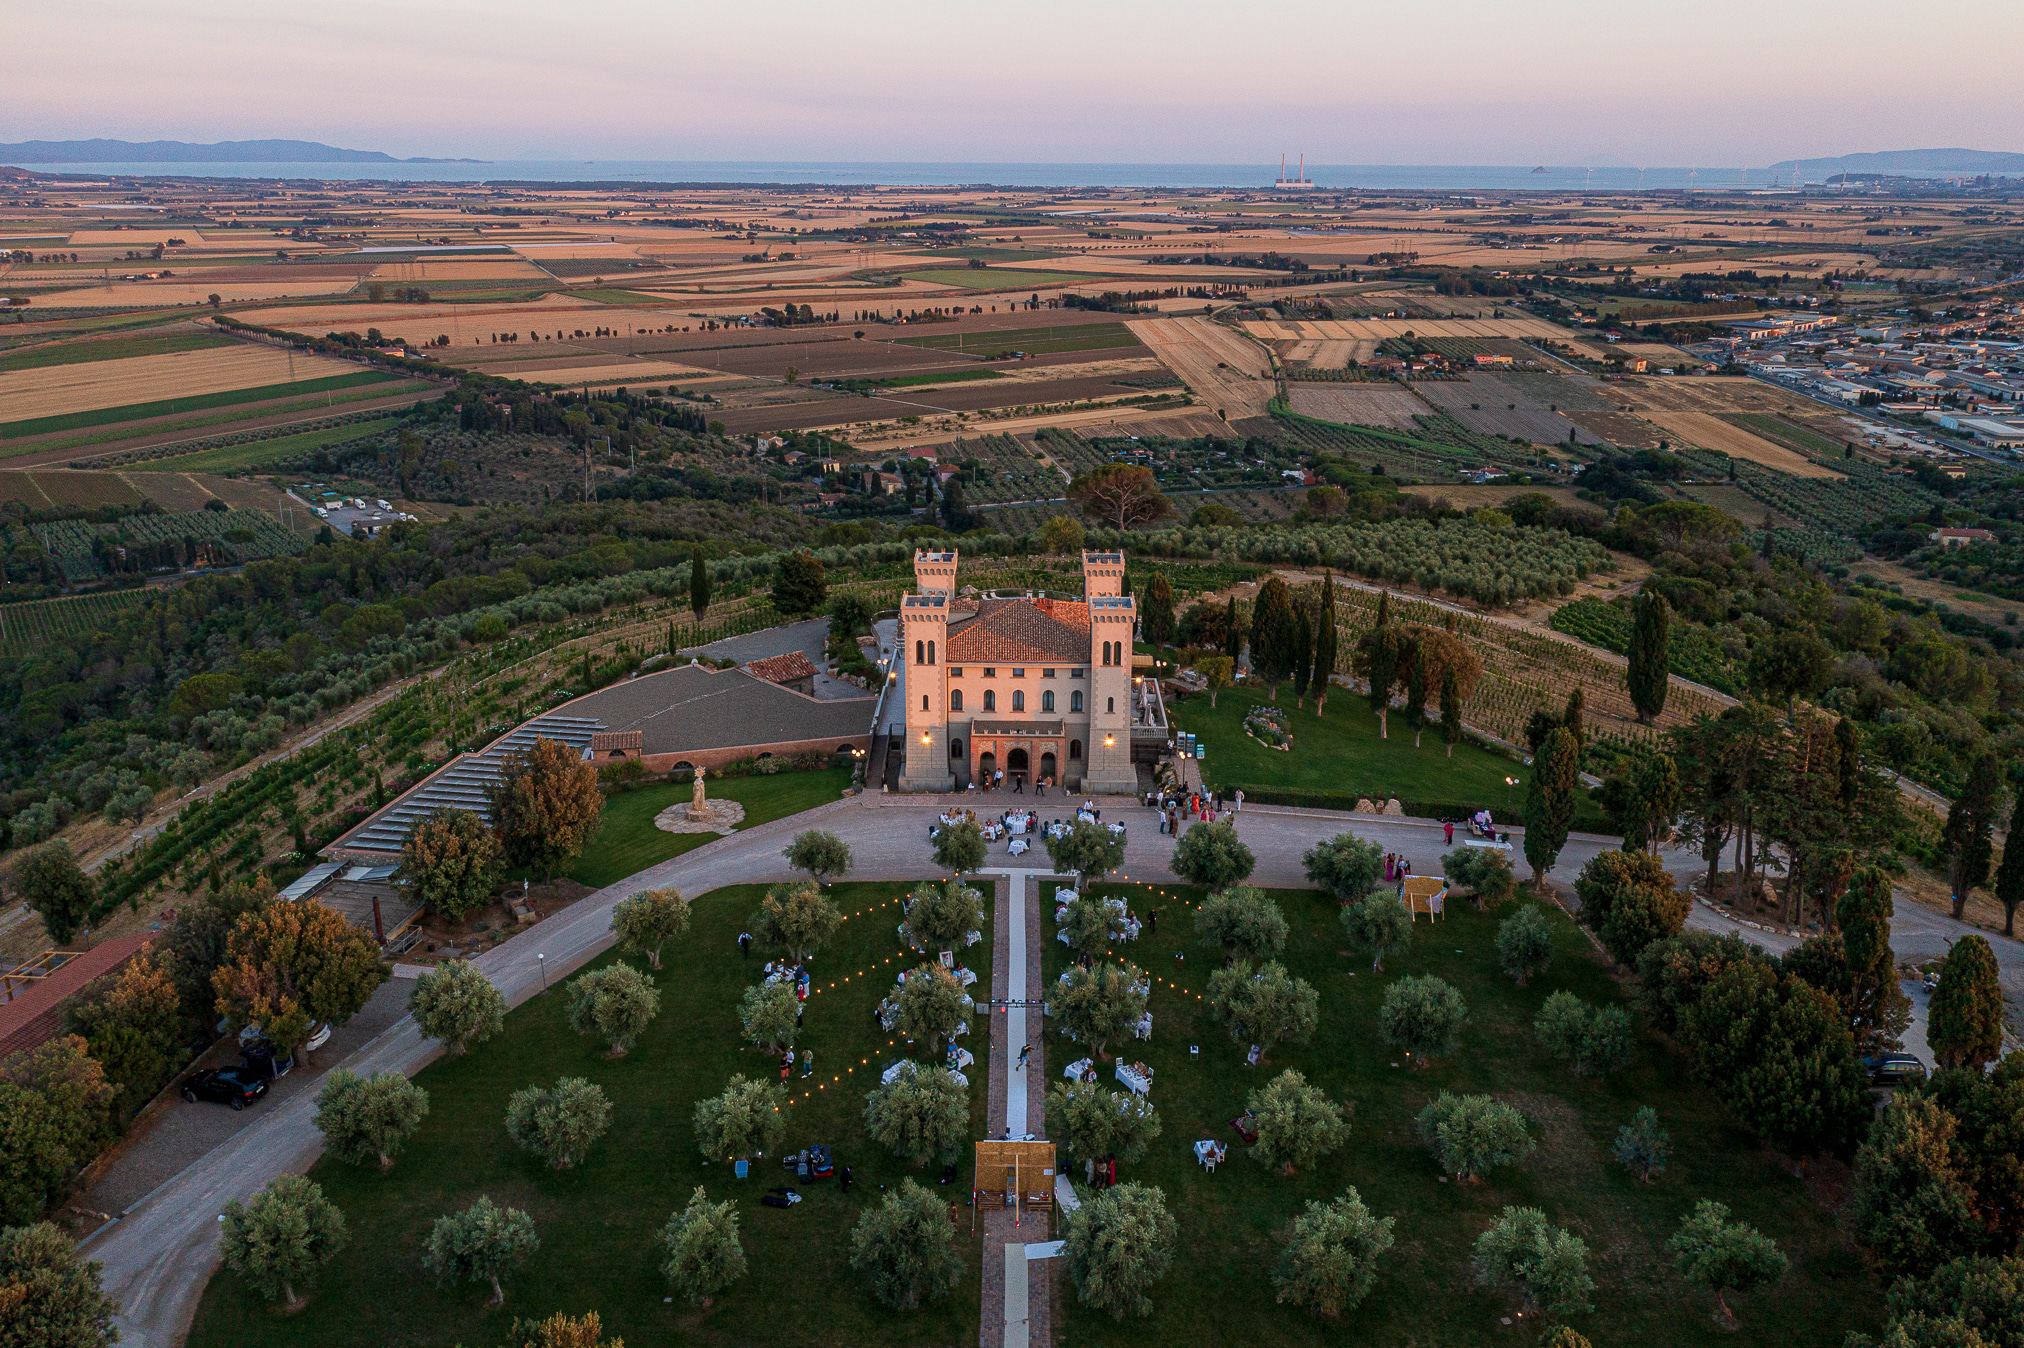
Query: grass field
{"x": 938, "y": 377}
{"x": 994, "y": 278}
{"x": 1787, "y": 433}
{"x": 256, "y": 452}
{"x": 1033, "y": 341}
{"x": 309, "y": 407}
{"x": 111, "y": 348}
{"x": 1231, "y": 1222}
{"x": 102, "y": 416}
{"x": 600, "y": 1223}
{"x": 628, "y": 842}
{"x": 1341, "y": 751}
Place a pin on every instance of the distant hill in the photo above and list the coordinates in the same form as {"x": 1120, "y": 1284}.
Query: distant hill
{"x": 183, "y": 152}
{"x": 1914, "y": 163}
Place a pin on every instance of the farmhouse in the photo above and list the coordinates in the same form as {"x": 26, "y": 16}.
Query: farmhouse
{"x": 1960, "y": 538}
{"x": 1036, "y": 686}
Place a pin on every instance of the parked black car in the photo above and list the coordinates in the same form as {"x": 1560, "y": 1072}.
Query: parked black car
{"x": 234, "y": 1086}
{"x": 1891, "y": 1069}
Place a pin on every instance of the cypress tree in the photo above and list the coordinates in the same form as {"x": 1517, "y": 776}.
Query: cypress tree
{"x": 1303, "y": 656}
{"x": 1878, "y": 1009}
{"x": 1233, "y": 634}
{"x": 1417, "y": 692}
{"x": 1451, "y": 709}
{"x": 1157, "y": 614}
{"x": 1324, "y": 642}
{"x": 1966, "y": 1025}
{"x": 699, "y": 584}
{"x": 1381, "y": 664}
{"x": 1549, "y": 801}
{"x": 1650, "y": 635}
{"x": 1966, "y": 838}
{"x": 1272, "y": 634}
{"x": 2010, "y": 875}
{"x": 1577, "y": 702}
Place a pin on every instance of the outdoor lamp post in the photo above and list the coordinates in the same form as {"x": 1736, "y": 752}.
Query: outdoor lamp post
{"x": 541, "y": 963}
{"x": 1510, "y": 784}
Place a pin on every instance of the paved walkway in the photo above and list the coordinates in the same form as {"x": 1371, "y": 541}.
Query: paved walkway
{"x": 159, "y": 1257}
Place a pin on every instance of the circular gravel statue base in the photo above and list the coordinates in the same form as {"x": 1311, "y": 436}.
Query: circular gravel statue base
{"x": 724, "y": 817}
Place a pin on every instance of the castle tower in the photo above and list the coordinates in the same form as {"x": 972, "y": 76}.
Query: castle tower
{"x": 935, "y": 572}
{"x": 923, "y": 647}
{"x": 1111, "y": 620}
{"x": 1102, "y": 574}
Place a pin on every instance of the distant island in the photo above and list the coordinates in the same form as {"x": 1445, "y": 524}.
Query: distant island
{"x": 183, "y": 152}
{"x": 1912, "y": 162}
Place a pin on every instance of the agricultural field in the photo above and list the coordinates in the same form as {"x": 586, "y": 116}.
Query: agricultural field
{"x": 1231, "y": 375}
{"x": 995, "y": 343}
{"x": 115, "y": 415}
{"x": 1839, "y": 503}
{"x": 28, "y": 628}
{"x": 1692, "y": 652}
{"x": 998, "y": 278}
{"x": 86, "y": 551}
{"x": 277, "y": 450}
{"x": 1488, "y": 406}
{"x": 108, "y": 348}
{"x": 48, "y": 392}
{"x": 1788, "y": 433}
{"x": 1707, "y": 431}
{"x": 54, "y": 488}
{"x": 1374, "y": 404}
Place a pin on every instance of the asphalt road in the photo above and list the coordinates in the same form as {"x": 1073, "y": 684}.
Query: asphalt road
{"x": 159, "y": 1257}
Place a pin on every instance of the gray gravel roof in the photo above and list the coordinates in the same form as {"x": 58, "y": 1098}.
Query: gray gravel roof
{"x": 693, "y": 707}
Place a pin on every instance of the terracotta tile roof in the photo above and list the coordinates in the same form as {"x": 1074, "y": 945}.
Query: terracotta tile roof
{"x": 782, "y": 668}
{"x": 1018, "y": 629}
{"x": 35, "y": 1016}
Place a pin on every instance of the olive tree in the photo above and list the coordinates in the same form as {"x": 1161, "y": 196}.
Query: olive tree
{"x": 1264, "y": 1008}
{"x": 1094, "y": 1121}
{"x": 1421, "y": 1016}
{"x": 1380, "y": 924}
{"x": 1213, "y": 856}
{"x": 1346, "y": 866}
{"x": 648, "y": 920}
{"x": 369, "y": 1118}
{"x": 959, "y": 848}
{"x": 930, "y": 1005}
{"x": 1099, "y": 1004}
{"x": 616, "y": 1003}
{"x": 1088, "y": 850}
{"x": 458, "y": 1005}
{"x": 54, "y": 1297}
{"x": 1242, "y": 923}
{"x": 704, "y": 1253}
{"x": 483, "y": 1243}
{"x": 1524, "y": 944}
{"x": 1091, "y": 923}
{"x": 796, "y": 918}
{"x": 279, "y": 1239}
{"x": 1118, "y": 1244}
{"x": 905, "y": 1248}
{"x": 921, "y": 1115}
{"x": 1592, "y": 1040}
{"x": 1297, "y": 1123}
{"x": 1330, "y": 1259}
{"x": 822, "y": 855}
{"x": 559, "y": 1124}
{"x": 768, "y": 1012}
{"x": 1548, "y": 1264}
{"x": 1473, "y": 1134}
{"x": 1721, "y": 1255}
{"x": 1642, "y": 1147}
{"x": 941, "y": 917}
{"x": 747, "y": 1119}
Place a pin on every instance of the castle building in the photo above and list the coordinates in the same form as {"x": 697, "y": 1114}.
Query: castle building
{"x": 1035, "y": 686}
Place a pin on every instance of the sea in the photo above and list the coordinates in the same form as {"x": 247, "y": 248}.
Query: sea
{"x": 1242, "y": 177}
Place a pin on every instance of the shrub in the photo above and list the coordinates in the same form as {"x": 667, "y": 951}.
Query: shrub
{"x": 559, "y": 1124}
{"x": 1329, "y": 1262}
{"x": 1473, "y": 1134}
{"x": 1525, "y": 944}
{"x": 1422, "y": 1016}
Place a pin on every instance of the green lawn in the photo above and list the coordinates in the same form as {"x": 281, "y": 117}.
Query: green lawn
{"x": 1231, "y": 1222}
{"x": 112, "y": 348}
{"x": 627, "y": 842}
{"x": 1341, "y": 752}
{"x": 600, "y": 1223}
{"x": 256, "y": 452}
{"x": 100, "y": 416}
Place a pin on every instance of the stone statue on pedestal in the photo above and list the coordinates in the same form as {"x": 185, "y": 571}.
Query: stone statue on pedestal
{"x": 698, "y": 809}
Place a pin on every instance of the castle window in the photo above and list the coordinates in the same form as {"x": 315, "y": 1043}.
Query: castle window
{"x": 1074, "y": 673}
{"x": 931, "y": 652}
{"x": 1075, "y": 748}
{"x": 956, "y": 700}
{"x": 1046, "y": 673}
{"x": 990, "y": 673}
{"x": 990, "y": 700}
{"x": 1110, "y": 705}
{"x": 920, "y": 652}
{"x": 955, "y": 748}
{"x": 924, "y": 701}
{"x": 955, "y": 671}
{"x": 1018, "y": 673}
{"x": 1075, "y": 700}
{"x": 1018, "y": 699}
{"x": 1047, "y": 700}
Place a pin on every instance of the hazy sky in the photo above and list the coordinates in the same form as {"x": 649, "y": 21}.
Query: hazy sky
{"x": 1718, "y": 82}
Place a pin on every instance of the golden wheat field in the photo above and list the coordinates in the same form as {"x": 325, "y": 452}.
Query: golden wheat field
{"x": 1711, "y": 432}
{"x": 57, "y": 389}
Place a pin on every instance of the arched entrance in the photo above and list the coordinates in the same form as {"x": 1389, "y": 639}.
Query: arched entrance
{"x": 1016, "y": 767}
{"x": 987, "y": 764}
{"x": 1049, "y": 772}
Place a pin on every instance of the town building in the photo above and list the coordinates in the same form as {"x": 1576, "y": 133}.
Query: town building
{"x": 1036, "y": 686}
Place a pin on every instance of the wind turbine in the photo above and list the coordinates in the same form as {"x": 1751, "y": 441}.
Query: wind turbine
{"x": 1640, "y": 180}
